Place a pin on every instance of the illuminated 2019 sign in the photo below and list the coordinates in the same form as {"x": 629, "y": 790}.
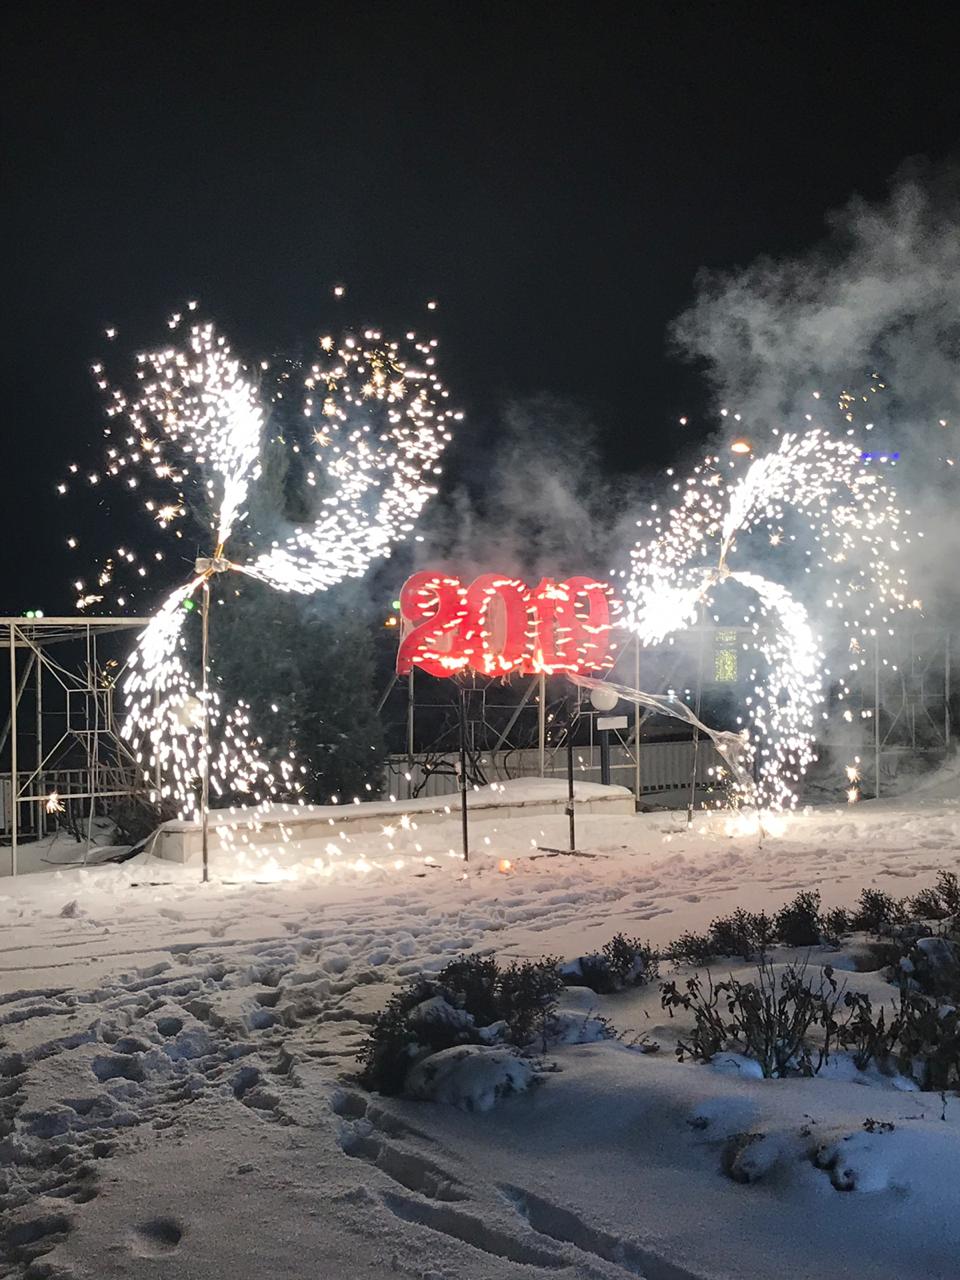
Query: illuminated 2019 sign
{"x": 498, "y": 625}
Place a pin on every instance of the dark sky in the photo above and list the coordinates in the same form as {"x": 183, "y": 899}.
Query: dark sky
{"x": 554, "y": 174}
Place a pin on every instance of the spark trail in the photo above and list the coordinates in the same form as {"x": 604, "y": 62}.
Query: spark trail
{"x": 191, "y": 435}
{"x": 810, "y": 497}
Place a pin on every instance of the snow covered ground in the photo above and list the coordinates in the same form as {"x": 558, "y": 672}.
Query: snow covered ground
{"x": 176, "y": 1096}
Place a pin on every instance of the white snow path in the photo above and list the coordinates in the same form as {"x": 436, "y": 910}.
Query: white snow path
{"x": 173, "y": 1058}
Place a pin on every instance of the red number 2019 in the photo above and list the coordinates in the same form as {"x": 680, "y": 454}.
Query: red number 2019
{"x": 498, "y": 625}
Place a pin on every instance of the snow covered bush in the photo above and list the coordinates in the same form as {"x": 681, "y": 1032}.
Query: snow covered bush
{"x": 469, "y": 1077}
{"x": 929, "y": 1042}
{"x": 927, "y": 905}
{"x": 877, "y": 912}
{"x": 939, "y": 903}
{"x": 856, "y": 1161}
{"x": 474, "y": 981}
{"x": 622, "y": 962}
{"x": 868, "y": 1039}
{"x": 932, "y": 965}
{"x": 836, "y": 923}
{"x": 745, "y": 934}
{"x": 527, "y": 995}
{"x": 769, "y": 1020}
{"x": 798, "y": 924}
{"x": 749, "y": 1157}
{"x": 709, "y": 1033}
{"x": 691, "y": 948}
{"x": 948, "y": 887}
{"x": 404, "y": 1031}
{"x": 471, "y": 1001}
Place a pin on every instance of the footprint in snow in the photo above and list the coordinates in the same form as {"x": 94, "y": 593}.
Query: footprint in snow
{"x": 156, "y": 1237}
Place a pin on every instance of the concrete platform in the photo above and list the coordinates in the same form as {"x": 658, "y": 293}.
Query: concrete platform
{"x": 277, "y": 824}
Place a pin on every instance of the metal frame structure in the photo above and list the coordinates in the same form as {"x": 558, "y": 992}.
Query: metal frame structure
{"x": 911, "y": 695}
{"x": 497, "y": 721}
{"x": 905, "y": 693}
{"x": 83, "y": 706}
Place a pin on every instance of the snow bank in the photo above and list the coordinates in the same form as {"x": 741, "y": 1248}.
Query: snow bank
{"x": 470, "y": 1077}
{"x": 178, "y": 1066}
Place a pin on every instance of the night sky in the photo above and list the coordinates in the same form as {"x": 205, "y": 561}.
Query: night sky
{"x": 554, "y": 174}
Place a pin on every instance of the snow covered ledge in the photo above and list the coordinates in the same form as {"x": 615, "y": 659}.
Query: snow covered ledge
{"x": 280, "y": 823}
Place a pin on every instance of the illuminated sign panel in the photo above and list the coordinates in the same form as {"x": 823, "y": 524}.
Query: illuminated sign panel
{"x": 725, "y": 664}
{"x": 497, "y": 625}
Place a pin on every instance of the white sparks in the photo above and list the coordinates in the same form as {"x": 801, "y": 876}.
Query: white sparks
{"x": 196, "y": 422}
{"x": 851, "y": 520}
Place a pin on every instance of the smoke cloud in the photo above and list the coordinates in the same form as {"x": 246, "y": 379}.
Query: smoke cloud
{"x": 536, "y": 501}
{"x": 872, "y": 313}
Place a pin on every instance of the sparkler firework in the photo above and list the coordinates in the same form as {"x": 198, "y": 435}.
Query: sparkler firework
{"x": 192, "y": 436}
{"x": 811, "y": 489}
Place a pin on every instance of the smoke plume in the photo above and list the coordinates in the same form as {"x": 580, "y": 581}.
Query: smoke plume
{"x": 870, "y": 320}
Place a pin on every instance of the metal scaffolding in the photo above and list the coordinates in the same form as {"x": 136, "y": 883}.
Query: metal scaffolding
{"x": 912, "y": 697}
{"x": 67, "y": 741}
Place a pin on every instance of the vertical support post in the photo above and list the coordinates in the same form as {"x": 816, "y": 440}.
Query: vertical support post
{"x": 696, "y": 728}
{"x": 205, "y": 747}
{"x": 41, "y": 805}
{"x": 636, "y": 724}
{"x": 570, "y": 800}
{"x": 604, "y": 736}
{"x": 876, "y": 712}
{"x": 93, "y": 755}
{"x": 542, "y": 724}
{"x": 946, "y": 691}
{"x": 14, "y": 784}
{"x": 464, "y": 823}
{"x": 410, "y": 708}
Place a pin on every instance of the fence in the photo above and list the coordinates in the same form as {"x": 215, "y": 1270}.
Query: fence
{"x": 665, "y": 769}
{"x": 71, "y": 785}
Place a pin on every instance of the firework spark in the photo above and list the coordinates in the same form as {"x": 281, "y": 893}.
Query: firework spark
{"x": 192, "y": 434}
{"x": 847, "y": 534}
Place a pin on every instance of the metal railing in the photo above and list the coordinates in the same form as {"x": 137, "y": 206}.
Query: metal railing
{"x": 665, "y": 769}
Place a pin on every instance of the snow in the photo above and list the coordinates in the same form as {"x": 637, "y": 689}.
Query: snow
{"x": 285, "y": 829}
{"x": 468, "y": 1076}
{"x": 177, "y": 1092}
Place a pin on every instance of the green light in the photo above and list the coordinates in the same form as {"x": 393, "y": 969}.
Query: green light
{"x": 396, "y": 604}
{"x": 189, "y": 605}
{"x": 30, "y": 614}
{"x": 725, "y": 666}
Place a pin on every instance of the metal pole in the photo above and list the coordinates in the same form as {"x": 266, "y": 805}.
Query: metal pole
{"x": 386, "y": 693}
{"x": 41, "y": 805}
{"x": 14, "y": 787}
{"x": 636, "y": 724}
{"x": 542, "y": 724}
{"x": 876, "y": 711}
{"x": 570, "y": 798}
{"x": 21, "y": 685}
{"x": 205, "y": 751}
{"x": 94, "y": 752}
{"x": 516, "y": 715}
{"x": 946, "y": 692}
{"x": 410, "y": 707}
{"x": 696, "y": 727}
{"x": 465, "y": 833}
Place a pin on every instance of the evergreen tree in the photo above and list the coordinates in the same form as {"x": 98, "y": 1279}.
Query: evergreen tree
{"x": 310, "y": 657}
{"x": 312, "y": 660}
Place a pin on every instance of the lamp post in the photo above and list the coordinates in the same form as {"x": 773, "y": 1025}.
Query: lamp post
{"x": 206, "y": 566}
